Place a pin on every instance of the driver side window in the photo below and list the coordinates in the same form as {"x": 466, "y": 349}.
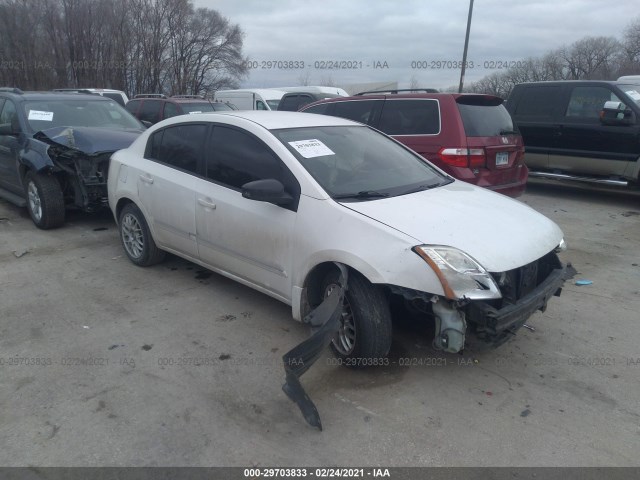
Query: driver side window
{"x": 9, "y": 116}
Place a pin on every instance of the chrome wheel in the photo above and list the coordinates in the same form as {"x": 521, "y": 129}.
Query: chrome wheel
{"x": 132, "y": 235}
{"x": 35, "y": 204}
{"x": 345, "y": 338}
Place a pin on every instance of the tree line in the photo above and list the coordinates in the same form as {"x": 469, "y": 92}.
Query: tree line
{"x": 590, "y": 58}
{"x": 138, "y": 46}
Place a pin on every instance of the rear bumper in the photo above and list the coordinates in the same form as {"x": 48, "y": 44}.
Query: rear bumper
{"x": 494, "y": 326}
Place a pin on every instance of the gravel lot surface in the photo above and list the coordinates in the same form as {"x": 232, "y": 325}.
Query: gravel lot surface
{"x": 103, "y": 363}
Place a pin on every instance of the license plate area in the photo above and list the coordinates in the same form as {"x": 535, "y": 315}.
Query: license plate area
{"x": 502, "y": 159}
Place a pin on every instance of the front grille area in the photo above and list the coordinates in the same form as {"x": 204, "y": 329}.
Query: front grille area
{"x": 521, "y": 281}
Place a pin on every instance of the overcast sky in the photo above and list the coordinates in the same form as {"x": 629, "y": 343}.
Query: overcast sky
{"x": 394, "y": 34}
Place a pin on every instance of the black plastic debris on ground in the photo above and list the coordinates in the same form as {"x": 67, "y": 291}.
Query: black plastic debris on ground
{"x": 325, "y": 320}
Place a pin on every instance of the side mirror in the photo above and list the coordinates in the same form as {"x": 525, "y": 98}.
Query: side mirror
{"x": 616, "y": 113}
{"x": 146, "y": 123}
{"x": 268, "y": 190}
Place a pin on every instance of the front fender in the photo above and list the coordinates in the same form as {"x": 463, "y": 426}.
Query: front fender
{"x": 35, "y": 156}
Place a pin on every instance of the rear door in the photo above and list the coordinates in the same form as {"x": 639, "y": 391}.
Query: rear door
{"x": 535, "y": 110}
{"x": 167, "y": 185}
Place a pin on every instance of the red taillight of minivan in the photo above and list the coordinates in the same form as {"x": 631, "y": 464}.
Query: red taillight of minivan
{"x": 463, "y": 157}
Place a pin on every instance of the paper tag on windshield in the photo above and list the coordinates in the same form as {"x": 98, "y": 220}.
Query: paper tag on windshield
{"x": 191, "y": 113}
{"x": 311, "y": 148}
{"x": 39, "y": 115}
{"x": 633, "y": 94}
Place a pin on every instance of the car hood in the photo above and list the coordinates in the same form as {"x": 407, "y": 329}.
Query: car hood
{"x": 498, "y": 232}
{"x": 89, "y": 140}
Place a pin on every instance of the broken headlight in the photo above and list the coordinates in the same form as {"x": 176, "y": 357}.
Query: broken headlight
{"x": 562, "y": 246}
{"x": 461, "y": 276}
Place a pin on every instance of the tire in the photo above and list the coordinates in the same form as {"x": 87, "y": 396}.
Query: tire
{"x": 44, "y": 200}
{"x": 365, "y": 333}
{"x": 136, "y": 238}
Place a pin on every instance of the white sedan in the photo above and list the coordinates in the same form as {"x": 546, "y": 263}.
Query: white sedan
{"x": 278, "y": 201}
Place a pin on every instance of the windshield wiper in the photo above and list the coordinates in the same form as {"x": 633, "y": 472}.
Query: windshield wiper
{"x": 361, "y": 194}
{"x": 508, "y": 132}
{"x": 421, "y": 188}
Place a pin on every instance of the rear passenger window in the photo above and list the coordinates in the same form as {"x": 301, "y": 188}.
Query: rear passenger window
{"x": 150, "y": 111}
{"x": 132, "y": 106}
{"x": 181, "y": 146}
{"x": 319, "y": 109}
{"x": 538, "y": 101}
{"x": 170, "y": 110}
{"x": 410, "y": 117}
{"x": 359, "y": 111}
{"x": 586, "y": 102}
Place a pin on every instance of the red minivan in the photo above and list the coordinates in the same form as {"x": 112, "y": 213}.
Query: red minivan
{"x": 470, "y": 136}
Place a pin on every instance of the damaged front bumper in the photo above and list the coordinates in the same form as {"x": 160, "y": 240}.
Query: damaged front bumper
{"x": 495, "y": 325}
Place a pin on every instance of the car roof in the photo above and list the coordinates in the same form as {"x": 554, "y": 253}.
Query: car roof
{"x": 400, "y": 96}
{"x": 62, "y": 96}
{"x": 571, "y": 82}
{"x": 268, "y": 119}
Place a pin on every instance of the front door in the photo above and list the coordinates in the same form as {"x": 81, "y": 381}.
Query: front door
{"x": 250, "y": 240}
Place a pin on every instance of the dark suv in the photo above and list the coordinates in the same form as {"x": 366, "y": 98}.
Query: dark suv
{"x": 55, "y": 150}
{"x": 580, "y": 130}
{"x": 152, "y": 108}
{"x": 471, "y": 137}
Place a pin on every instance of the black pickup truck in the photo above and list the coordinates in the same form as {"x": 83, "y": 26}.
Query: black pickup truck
{"x": 55, "y": 150}
{"x": 585, "y": 130}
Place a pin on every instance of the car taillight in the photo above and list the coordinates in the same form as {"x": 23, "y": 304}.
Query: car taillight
{"x": 463, "y": 157}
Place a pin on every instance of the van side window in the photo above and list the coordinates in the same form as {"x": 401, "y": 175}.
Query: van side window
{"x": 170, "y": 110}
{"x": 320, "y": 109}
{"x": 586, "y": 102}
{"x": 359, "y": 111}
{"x": 181, "y": 146}
{"x": 538, "y": 101}
{"x": 150, "y": 111}
{"x": 260, "y": 105}
{"x": 410, "y": 117}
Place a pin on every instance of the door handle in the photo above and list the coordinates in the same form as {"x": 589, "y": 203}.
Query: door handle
{"x": 207, "y": 203}
{"x": 146, "y": 179}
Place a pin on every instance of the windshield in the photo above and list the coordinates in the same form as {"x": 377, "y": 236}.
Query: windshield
{"x": 197, "y": 107}
{"x": 44, "y": 114}
{"x": 273, "y": 104}
{"x": 358, "y": 163}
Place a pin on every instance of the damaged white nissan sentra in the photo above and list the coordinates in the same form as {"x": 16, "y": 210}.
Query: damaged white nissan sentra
{"x": 282, "y": 201}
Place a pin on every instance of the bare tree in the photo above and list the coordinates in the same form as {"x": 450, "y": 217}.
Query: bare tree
{"x": 591, "y": 57}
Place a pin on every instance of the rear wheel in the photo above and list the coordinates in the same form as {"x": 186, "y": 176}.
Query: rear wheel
{"x": 365, "y": 331}
{"x": 136, "y": 238}
{"x": 44, "y": 200}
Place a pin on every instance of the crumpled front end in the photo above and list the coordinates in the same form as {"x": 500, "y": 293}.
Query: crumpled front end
{"x": 524, "y": 291}
{"x": 492, "y": 315}
{"x": 85, "y": 184}
{"x": 81, "y": 156}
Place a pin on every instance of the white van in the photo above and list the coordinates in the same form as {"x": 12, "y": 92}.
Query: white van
{"x": 634, "y": 79}
{"x": 316, "y": 89}
{"x": 251, "y": 98}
